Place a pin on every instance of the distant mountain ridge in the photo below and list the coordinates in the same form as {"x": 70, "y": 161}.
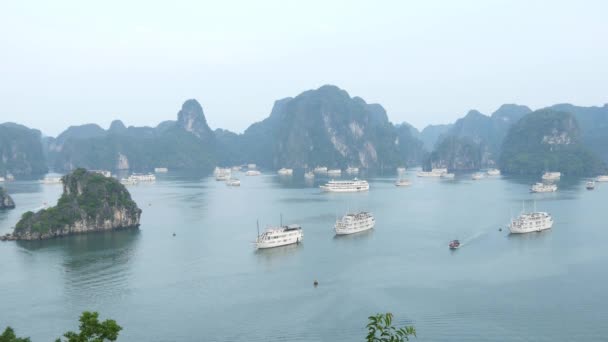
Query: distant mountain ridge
{"x": 324, "y": 126}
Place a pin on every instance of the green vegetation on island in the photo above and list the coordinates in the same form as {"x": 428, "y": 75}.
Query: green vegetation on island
{"x": 547, "y": 140}
{"x": 90, "y": 202}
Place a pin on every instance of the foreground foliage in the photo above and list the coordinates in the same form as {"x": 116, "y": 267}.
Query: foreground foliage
{"x": 380, "y": 329}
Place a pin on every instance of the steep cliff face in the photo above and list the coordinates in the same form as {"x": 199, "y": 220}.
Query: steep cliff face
{"x": 90, "y": 202}
{"x": 6, "y": 202}
{"x": 187, "y": 143}
{"x": 547, "y": 140}
{"x": 477, "y": 138}
{"x": 326, "y": 127}
{"x": 21, "y": 152}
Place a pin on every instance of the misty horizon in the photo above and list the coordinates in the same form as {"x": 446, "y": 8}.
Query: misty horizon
{"x": 425, "y": 63}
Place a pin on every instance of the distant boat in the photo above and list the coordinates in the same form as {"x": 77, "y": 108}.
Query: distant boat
{"x": 403, "y": 182}
{"x": 51, "y": 180}
{"x": 448, "y": 175}
{"x": 551, "y": 176}
{"x": 541, "y": 187}
{"x": 161, "y": 170}
{"x": 354, "y": 223}
{"x": 454, "y": 244}
{"x": 309, "y": 175}
{"x": 355, "y": 185}
{"x": 222, "y": 174}
{"x": 334, "y": 172}
{"x": 602, "y": 178}
{"x": 285, "y": 172}
{"x": 493, "y": 172}
{"x": 352, "y": 170}
{"x": 400, "y": 170}
{"x": 590, "y": 185}
{"x": 251, "y": 166}
{"x": 236, "y": 168}
{"x": 2, "y": 179}
{"x": 233, "y": 182}
{"x": 320, "y": 170}
{"x": 253, "y": 173}
{"x": 477, "y": 176}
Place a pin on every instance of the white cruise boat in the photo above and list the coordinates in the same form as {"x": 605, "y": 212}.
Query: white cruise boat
{"x": 352, "y": 170}
{"x": 602, "y": 178}
{"x": 2, "y": 179}
{"x": 140, "y": 177}
{"x": 334, "y": 172}
{"x": 233, "y": 182}
{"x": 354, "y": 223}
{"x": 448, "y": 175}
{"x": 355, "y": 185}
{"x": 236, "y": 168}
{"x": 222, "y": 174}
{"x": 280, "y": 236}
{"x": 161, "y": 170}
{"x": 253, "y": 173}
{"x": 493, "y": 172}
{"x": 104, "y": 173}
{"x": 438, "y": 172}
{"x": 552, "y": 176}
{"x": 403, "y": 182}
{"x": 477, "y": 176}
{"x": 128, "y": 181}
{"x": 252, "y": 166}
{"x": 531, "y": 222}
{"x": 320, "y": 170}
{"x": 309, "y": 175}
{"x": 541, "y": 187}
{"x": 51, "y": 180}
{"x": 285, "y": 172}
{"x": 400, "y": 170}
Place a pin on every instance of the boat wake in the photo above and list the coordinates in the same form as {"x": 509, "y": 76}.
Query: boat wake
{"x": 473, "y": 237}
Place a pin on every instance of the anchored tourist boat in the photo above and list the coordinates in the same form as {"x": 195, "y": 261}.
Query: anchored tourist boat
{"x": 402, "y": 182}
{"x": 285, "y": 172}
{"x": 161, "y": 170}
{"x": 280, "y": 236}
{"x": 493, "y": 172}
{"x": 141, "y": 177}
{"x": 128, "y": 181}
{"x": 320, "y": 170}
{"x": 251, "y": 166}
{"x": 454, "y": 244}
{"x": 477, "y": 176}
{"x": 352, "y": 170}
{"x": 334, "y": 172}
{"x": 354, "y": 223}
{"x": 253, "y": 173}
{"x": 51, "y": 180}
{"x": 354, "y": 185}
{"x": 602, "y": 178}
{"x": 552, "y": 176}
{"x": 400, "y": 170}
{"x": 233, "y": 182}
{"x": 309, "y": 175}
{"x": 590, "y": 185}
{"x": 448, "y": 175}
{"x": 2, "y": 179}
{"x": 433, "y": 173}
{"x": 531, "y": 222}
{"x": 222, "y": 174}
{"x": 541, "y": 187}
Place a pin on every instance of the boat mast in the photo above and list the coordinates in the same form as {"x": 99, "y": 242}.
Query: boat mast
{"x": 257, "y": 222}
{"x": 281, "y": 220}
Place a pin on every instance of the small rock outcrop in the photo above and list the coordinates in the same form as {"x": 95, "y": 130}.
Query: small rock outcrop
{"x": 90, "y": 202}
{"x": 6, "y": 202}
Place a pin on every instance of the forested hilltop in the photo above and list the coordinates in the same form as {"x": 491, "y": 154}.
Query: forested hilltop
{"x": 324, "y": 126}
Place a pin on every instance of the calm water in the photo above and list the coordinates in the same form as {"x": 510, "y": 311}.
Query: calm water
{"x": 208, "y": 283}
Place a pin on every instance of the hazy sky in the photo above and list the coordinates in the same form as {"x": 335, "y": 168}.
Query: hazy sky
{"x": 72, "y": 62}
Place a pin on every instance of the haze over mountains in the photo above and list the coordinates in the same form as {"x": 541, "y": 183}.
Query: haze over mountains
{"x": 325, "y": 126}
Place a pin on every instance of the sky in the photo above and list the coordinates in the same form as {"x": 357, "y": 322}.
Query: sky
{"x": 66, "y": 63}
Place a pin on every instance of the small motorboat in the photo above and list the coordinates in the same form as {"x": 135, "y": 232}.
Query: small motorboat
{"x": 454, "y": 244}
{"x": 590, "y": 185}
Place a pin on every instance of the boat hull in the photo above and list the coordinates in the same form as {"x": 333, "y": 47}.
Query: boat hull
{"x": 289, "y": 240}
{"x": 540, "y": 228}
{"x": 357, "y": 189}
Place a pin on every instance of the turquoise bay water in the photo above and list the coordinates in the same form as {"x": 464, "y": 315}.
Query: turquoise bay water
{"x": 209, "y": 284}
